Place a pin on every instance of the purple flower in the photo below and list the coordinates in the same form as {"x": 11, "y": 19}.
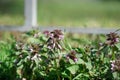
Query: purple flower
{"x": 112, "y": 39}
{"x": 54, "y": 34}
{"x": 72, "y": 55}
{"x": 54, "y": 39}
{"x": 75, "y": 59}
{"x": 46, "y": 33}
{"x": 115, "y": 65}
{"x": 34, "y": 49}
{"x": 57, "y": 34}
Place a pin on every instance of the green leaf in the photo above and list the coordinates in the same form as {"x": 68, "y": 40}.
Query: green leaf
{"x": 33, "y": 40}
{"x": 88, "y": 65}
{"x": 71, "y": 61}
{"x": 78, "y": 76}
{"x": 67, "y": 46}
{"x": 73, "y": 69}
{"x": 115, "y": 74}
{"x": 80, "y": 50}
{"x": 64, "y": 74}
{"x": 118, "y": 45}
{"x": 80, "y": 61}
{"x": 81, "y": 76}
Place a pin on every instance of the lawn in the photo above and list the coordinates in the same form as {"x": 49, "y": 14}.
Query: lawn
{"x": 75, "y": 13}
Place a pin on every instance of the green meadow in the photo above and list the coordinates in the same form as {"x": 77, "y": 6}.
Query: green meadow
{"x": 69, "y": 13}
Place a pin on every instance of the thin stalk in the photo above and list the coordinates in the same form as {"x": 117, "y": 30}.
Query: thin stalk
{"x": 113, "y": 54}
{"x": 56, "y": 67}
{"x": 118, "y": 75}
{"x": 70, "y": 76}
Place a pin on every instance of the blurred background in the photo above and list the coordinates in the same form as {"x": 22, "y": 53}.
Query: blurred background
{"x": 68, "y": 13}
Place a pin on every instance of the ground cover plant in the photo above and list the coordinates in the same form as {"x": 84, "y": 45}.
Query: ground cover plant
{"x": 49, "y": 55}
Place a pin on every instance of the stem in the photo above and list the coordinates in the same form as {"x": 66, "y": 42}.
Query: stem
{"x": 113, "y": 54}
{"x": 70, "y": 76}
{"x": 118, "y": 75}
{"x": 55, "y": 61}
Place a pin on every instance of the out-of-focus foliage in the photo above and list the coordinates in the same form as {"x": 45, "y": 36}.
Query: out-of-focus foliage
{"x": 8, "y": 6}
{"x": 80, "y": 13}
{"x": 110, "y": 0}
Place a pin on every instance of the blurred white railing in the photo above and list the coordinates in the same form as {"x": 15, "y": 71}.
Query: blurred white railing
{"x": 30, "y": 13}
{"x": 31, "y": 22}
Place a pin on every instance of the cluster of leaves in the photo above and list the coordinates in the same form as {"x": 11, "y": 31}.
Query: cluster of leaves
{"x": 48, "y": 56}
{"x": 7, "y": 68}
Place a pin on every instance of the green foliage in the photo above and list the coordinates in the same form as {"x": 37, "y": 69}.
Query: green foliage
{"x": 48, "y": 56}
{"x": 110, "y": 0}
{"x": 7, "y": 68}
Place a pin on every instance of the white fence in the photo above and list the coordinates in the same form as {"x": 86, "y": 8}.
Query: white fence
{"x": 30, "y": 13}
{"x": 31, "y": 22}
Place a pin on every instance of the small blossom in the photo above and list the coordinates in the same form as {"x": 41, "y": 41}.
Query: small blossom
{"x": 73, "y": 52}
{"x": 36, "y": 56}
{"x": 19, "y": 46}
{"x": 112, "y": 39}
{"x": 72, "y": 55}
{"x": 112, "y": 68}
{"x": 115, "y": 65}
{"x": 34, "y": 49}
{"x": 51, "y": 45}
{"x": 51, "y": 35}
{"x": 31, "y": 50}
{"x": 101, "y": 44}
{"x": 58, "y": 34}
{"x": 36, "y": 35}
{"x": 75, "y": 59}
{"x": 46, "y": 33}
{"x": 54, "y": 39}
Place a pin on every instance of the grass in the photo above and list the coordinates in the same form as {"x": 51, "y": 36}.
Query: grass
{"x": 68, "y": 13}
